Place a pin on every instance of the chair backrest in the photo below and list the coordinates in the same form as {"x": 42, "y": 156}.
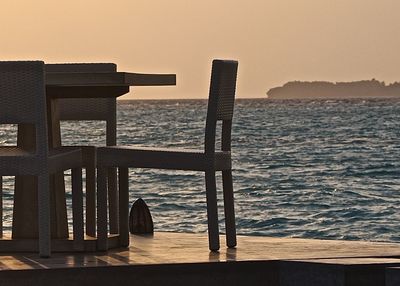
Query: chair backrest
{"x": 23, "y": 98}
{"x": 88, "y": 108}
{"x": 221, "y": 103}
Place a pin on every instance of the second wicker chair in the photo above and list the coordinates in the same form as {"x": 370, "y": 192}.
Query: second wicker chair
{"x": 220, "y": 108}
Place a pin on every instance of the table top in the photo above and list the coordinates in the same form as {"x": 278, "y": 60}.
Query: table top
{"x": 100, "y": 84}
{"x": 90, "y": 79}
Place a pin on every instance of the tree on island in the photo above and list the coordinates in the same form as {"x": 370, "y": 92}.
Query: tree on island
{"x": 324, "y": 89}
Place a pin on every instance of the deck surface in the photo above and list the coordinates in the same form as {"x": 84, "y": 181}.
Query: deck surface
{"x": 168, "y": 247}
{"x": 181, "y": 258}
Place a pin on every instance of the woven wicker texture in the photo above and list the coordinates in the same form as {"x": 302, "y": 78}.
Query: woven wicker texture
{"x": 81, "y": 67}
{"x": 23, "y": 100}
{"x": 85, "y": 108}
{"x": 223, "y": 87}
{"x": 220, "y": 107}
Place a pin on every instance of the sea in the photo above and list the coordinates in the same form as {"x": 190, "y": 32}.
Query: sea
{"x": 326, "y": 169}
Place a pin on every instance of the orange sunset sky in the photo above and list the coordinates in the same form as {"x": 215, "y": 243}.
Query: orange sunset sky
{"x": 274, "y": 40}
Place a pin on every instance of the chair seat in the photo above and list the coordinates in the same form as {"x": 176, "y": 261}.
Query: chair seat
{"x": 64, "y": 158}
{"x": 162, "y": 158}
{"x": 17, "y": 161}
{"x": 88, "y": 154}
{"x": 13, "y": 151}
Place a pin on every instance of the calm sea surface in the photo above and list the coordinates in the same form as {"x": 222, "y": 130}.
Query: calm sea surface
{"x": 315, "y": 169}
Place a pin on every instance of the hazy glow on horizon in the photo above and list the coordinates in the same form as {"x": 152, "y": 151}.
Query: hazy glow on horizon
{"x": 275, "y": 41}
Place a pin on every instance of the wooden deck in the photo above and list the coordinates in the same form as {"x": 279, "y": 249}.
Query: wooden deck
{"x": 184, "y": 259}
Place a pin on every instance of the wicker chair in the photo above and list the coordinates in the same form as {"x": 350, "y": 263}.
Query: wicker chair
{"x": 102, "y": 109}
{"x": 23, "y": 101}
{"x": 220, "y": 108}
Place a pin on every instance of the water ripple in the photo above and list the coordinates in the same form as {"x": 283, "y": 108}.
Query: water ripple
{"x": 319, "y": 169}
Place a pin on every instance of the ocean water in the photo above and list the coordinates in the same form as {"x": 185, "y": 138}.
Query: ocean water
{"x": 326, "y": 169}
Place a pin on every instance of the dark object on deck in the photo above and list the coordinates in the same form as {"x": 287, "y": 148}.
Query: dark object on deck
{"x": 140, "y": 220}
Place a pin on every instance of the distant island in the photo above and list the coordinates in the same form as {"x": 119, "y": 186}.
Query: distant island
{"x": 323, "y": 89}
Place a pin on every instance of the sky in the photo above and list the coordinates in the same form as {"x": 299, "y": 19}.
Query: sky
{"x": 275, "y": 41}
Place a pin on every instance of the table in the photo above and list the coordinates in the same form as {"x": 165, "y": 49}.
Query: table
{"x": 66, "y": 85}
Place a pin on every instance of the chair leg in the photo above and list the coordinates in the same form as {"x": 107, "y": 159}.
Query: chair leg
{"x": 102, "y": 231}
{"x": 91, "y": 201}
{"x": 212, "y": 210}
{"x": 123, "y": 207}
{"x": 229, "y": 208}
{"x": 1, "y": 206}
{"x": 113, "y": 199}
{"x": 44, "y": 215}
{"x": 111, "y": 140}
{"x": 77, "y": 209}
